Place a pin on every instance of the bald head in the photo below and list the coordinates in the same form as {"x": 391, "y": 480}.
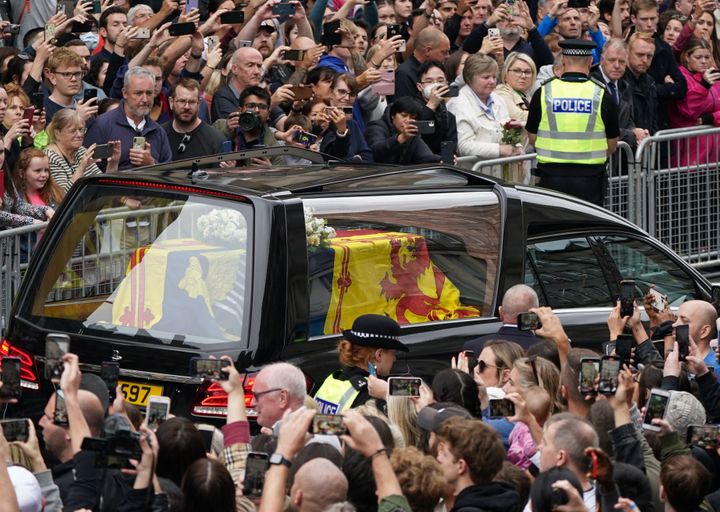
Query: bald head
{"x": 302, "y": 43}
{"x": 431, "y": 44}
{"x": 246, "y": 65}
{"x": 92, "y": 410}
{"x": 701, "y": 317}
{"x": 244, "y": 53}
{"x": 518, "y": 299}
{"x": 318, "y": 484}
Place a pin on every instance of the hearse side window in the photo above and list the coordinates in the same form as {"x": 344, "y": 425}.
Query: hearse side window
{"x": 158, "y": 266}
{"x": 636, "y": 259}
{"x": 417, "y": 258}
{"x": 566, "y": 274}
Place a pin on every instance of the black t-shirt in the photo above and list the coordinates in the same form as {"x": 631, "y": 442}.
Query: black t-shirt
{"x": 204, "y": 140}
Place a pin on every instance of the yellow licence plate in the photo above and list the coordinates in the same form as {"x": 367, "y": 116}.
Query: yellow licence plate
{"x": 139, "y": 394}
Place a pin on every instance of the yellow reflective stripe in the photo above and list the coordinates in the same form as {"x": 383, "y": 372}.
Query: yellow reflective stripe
{"x": 573, "y": 135}
{"x": 571, "y": 155}
{"x": 549, "y": 114}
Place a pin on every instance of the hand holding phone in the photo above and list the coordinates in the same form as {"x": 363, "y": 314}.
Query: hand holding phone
{"x": 609, "y": 372}
{"x": 682, "y": 337}
{"x": 157, "y": 411}
{"x": 627, "y": 298}
{"x": 655, "y": 409}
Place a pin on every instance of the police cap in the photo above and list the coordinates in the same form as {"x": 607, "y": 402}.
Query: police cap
{"x": 375, "y": 331}
{"x": 577, "y": 47}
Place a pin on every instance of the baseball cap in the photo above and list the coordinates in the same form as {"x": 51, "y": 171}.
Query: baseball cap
{"x": 430, "y": 419}
{"x": 27, "y": 489}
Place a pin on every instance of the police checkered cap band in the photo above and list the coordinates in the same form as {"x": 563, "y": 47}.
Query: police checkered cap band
{"x": 577, "y": 52}
{"x": 373, "y": 335}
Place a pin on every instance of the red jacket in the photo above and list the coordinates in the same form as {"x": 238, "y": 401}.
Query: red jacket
{"x": 700, "y": 100}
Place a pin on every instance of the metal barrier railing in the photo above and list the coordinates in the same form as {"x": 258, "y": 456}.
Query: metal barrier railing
{"x": 16, "y": 246}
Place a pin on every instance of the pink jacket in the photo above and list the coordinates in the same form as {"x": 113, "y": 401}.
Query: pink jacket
{"x": 686, "y": 112}
{"x": 522, "y": 446}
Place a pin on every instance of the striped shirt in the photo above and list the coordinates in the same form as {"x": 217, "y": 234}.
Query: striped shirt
{"x": 61, "y": 170}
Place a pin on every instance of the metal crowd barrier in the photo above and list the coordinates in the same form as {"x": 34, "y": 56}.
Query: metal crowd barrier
{"x": 16, "y": 246}
{"x": 678, "y": 171}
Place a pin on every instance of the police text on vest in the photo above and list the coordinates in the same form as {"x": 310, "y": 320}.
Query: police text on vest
{"x": 572, "y": 106}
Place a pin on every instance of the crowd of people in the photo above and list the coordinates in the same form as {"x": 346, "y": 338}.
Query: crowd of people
{"x": 394, "y": 82}
{"x": 564, "y": 440}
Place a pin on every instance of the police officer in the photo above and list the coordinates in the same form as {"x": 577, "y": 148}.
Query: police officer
{"x": 573, "y": 124}
{"x": 368, "y": 348}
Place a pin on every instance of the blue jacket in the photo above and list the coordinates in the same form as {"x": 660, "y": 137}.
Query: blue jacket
{"x": 334, "y": 63}
{"x": 114, "y": 125}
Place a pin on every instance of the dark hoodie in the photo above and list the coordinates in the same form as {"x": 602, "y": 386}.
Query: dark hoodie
{"x": 498, "y": 496}
{"x": 382, "y": 137}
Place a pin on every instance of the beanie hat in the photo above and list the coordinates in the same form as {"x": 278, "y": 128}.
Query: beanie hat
{"x": 684, "y": 410}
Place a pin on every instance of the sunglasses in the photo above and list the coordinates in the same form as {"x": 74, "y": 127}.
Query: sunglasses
{"x": 481, "y": 365}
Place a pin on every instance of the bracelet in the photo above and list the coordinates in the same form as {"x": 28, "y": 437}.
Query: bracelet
{"x": 376, "y": 66}
{"x": 379, "y": 452}
{"x": 118, "y": 46}
{"x": 209, "y": 66}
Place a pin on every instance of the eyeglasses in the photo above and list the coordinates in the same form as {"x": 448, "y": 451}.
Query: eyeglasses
{"x": 258, "y": 394}
{"x": 482, "y": 365}
{"x": 189, "y": 103}
{"x": 69, "y": 75}
{"x": 256, "y": 106}
{"x": 185, "y": 140}
{"x": 439, "y": 81}
{"x": 521, "y": 72}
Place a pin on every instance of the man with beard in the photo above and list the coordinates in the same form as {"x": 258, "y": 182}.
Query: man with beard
{"x": 265, "y": 37}
{"x": 131, "y": 121}
{"x": 511, "y": 30}
{"x": 190, "y": 136}
{"x": 112, "y": 21}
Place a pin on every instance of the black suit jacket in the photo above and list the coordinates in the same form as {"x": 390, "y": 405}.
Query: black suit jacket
{"x": 506, "y": 333}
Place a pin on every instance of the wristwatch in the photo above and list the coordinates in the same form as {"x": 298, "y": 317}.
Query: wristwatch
{"x": 277, "y": 458}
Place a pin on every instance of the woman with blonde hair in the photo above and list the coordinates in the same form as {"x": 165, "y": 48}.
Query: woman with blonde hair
{"x": 535, "y": 371}
{"x": 516, "y": 79}
{"x": 366, "y": 352}
{"x": 403, "y": 415}
{"x": 69, "y": 159}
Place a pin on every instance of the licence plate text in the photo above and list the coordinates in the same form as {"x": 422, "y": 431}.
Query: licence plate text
{"x": 138, "y": 394}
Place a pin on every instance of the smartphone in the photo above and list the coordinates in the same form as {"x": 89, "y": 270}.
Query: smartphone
{"x": 578, "y": 4}
{"x": 627, "y": 297}
{"x": 10, "y": 378}
{"x": 207, "y": 432}
{"x": 397, "y": 30}
{"x": 56, "y": 346}
{"x": 501, "y": 408}
{"x": 682, "y": 336}
{"x": 232, "y": 17}
{"x": 38, "y": 100}
{"x": 89, "y": 94}
{"x": 656, "y": 405}
{"x": 182, "y": 29}
{"x": 294, "y": 55}
{"x": 404, "y": 386}
{"x": 305, "y": 138}
{"x": 425, "y": 127}
{"x": 453, "y": 91}
{"x": 212, "y": 42}
{"x": 348, "y": 111}
{"x": 371, "y": 369}
{"x": 255, "y": 468}
{"x": 302, "y": 92}
{"x": 704, "y": 436}
{"x": 28, "y": 114}
{"x": 386, "y": 85}
{"x": 528, "y": 322}
{"x": 12, "y": 29}
{"x": 608, "y": 347}
{"x": 329, "y": 425}
{"x": 243, "y": 43}
{"x": 158, "y": 409}
{"x": 331, "y": 38}
{"x": 447, "y": 152}
{"x": 15, "y": 429}
{"x": 659, "y": 301}
{"x": 138, "y": 143}
{"x": 142, "y": 33}
{"x": 493, "y": 33}
{"x": 60, "y": 8}
{"x": 96, "y": 7}
{"x": 558, "y": 498}
{"x": 110, "y": 370}
{"x": 50, "y": 33}
{"x": 190, "y": 5}
{"x": 589, "y": 369}
{"x": 471, "y": 359}
{"x": 60, "y": 415}
{"x": 283, "y": 9}
{"x": 609, "y": 371}
{"x": 623, "y": 346}
{"x": 103, "y": 151}
{"x": 209, "y": 368}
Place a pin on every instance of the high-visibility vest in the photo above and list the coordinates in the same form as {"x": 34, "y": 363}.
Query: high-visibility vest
{"x": 335, "y": 395}
{"x": 571, "y": 129}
